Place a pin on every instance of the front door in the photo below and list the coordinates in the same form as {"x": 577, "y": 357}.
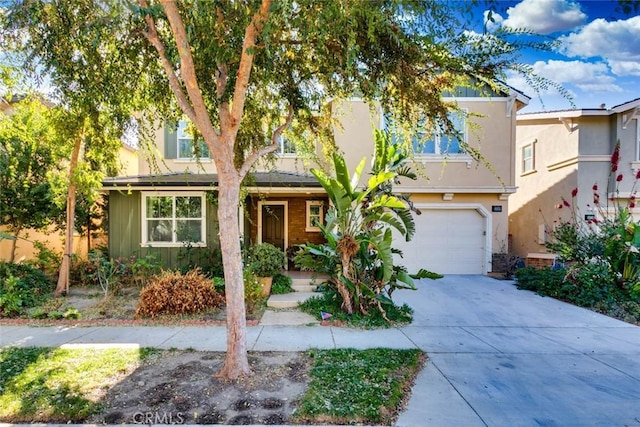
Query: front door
{"x": 273, "y": 225}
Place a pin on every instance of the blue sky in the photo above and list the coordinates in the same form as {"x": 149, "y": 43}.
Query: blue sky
{"x": 598, "y": 57}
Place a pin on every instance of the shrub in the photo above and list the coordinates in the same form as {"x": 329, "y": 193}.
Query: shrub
{"x": 218, "y": 284}
{"x": 142, "y": 269}
{"x": 46, "y": 260}
{"x": 108, "y": 272}
{"x": 588, "y": 284}
{"x": 22, "y": 287}
{"x": 281, "y": 284}
{"x": 544, "y": 281}
{"x": 266, "y": 260}
{"x": 253, "y": 298}
{"x": 209, "y": 261}
{"x": 176, "y": 293}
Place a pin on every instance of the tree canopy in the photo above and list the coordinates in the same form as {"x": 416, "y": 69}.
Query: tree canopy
{"x": 244, "y": 71}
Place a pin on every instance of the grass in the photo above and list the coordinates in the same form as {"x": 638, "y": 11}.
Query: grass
{"x": 327, "y": 303}
{"x": 346, "y": 386}
{"x": 59, "y": 385}
{"x": 366, "y": 386}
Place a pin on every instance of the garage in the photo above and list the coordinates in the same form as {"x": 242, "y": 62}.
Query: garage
{"x": 447, "y": 241}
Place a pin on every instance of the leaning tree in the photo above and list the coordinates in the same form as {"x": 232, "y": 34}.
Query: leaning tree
{"x": 243, "y": 71}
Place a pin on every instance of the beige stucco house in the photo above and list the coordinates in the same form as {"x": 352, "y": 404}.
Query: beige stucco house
{"x": 562, "y": 150}
{"x": 464, "y": 204}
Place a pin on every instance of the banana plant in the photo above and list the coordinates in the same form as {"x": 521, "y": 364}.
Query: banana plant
{"x": 358, "y": 254}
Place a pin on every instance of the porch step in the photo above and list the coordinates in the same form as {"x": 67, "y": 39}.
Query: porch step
{"x": 290, "y": 300}
{"x": 307, "y": 287}
{"x": 307, "y": 280}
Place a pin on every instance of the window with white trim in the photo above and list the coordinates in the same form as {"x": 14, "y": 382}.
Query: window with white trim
{"x": 286, "y": 148}
{"x": 186, "y": 147}
{"x": 440, "y": 142}
{"x": 528, "y": 158}
{"x": 173, "y": 219}
{"x": 315, "y": 214}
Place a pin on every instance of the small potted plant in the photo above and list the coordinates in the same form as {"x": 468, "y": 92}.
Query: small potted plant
{"x": 266, "y": 261}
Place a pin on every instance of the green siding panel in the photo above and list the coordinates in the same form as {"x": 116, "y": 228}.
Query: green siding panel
{"x": 125, "y": 232}
{"x": 124, "y": 224}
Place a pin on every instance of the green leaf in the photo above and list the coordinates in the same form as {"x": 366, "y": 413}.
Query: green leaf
{"x": 404, "y": 277}
{"x": 342, "y": 173}
{"x": 357, "y": 173}
{"x": 378, "y": 179}
{"x": 425, "y": 274}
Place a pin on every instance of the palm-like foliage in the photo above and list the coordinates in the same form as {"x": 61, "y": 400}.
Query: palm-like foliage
{"x": 358, "y": 254}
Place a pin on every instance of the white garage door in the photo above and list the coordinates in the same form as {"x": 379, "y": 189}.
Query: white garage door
{"x": 447, "y": 241}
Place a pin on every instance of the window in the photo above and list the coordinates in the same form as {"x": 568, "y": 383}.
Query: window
{"x": 441, "y": 143}
{"x": 528, "y": 163}
{"x": 173, "y": 220}
{"x": 315, "y": 214}
{"x": 186, "y": 148}
{"x": 287, "y": 148}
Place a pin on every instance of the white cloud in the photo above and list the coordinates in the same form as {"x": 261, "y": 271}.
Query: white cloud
{"x": 585, "y": 76}
{"x": 545, "y": 16}
{"x": 493, "y": 24}
{"x": 617, "y": 42}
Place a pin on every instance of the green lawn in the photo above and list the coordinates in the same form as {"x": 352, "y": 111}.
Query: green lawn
{"x": 59, "y": 385}
{"x": 363, "y": 386}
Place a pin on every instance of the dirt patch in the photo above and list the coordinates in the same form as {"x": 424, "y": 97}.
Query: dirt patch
{"x": 181, "y": 388}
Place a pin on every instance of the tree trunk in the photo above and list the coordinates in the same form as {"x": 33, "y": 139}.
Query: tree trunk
{"x": 63, "y": 278}
{"x": 14, "y": 244}
{"x": 236, "y": 362}
{"x": 342, "y": 288}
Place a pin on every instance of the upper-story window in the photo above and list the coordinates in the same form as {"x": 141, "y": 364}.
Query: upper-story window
{"x": 286, "y": 148}
{"x": 187, "y": 150}
{"x": 440, "y": 142}
{"x": 528, "y": 158}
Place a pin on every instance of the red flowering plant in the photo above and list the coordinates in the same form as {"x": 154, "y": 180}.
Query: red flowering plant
{"x": 608, "y": 235}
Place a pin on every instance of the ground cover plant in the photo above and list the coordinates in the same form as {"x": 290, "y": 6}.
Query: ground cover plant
{"x": 351, "y": 386}
{"x": 329, "y": 303}
{"x": 281, "y": 284}
{"x": 152, "y": 386}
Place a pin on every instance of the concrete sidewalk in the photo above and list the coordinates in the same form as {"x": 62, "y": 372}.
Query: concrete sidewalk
{"x": 497, "y": 356}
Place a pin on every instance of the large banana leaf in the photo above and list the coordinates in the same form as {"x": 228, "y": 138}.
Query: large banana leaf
{"x": 389, "y": 202}
{"x": 387, "y": 218}
{"x": 409, "y": 223}
{"x": 378, "y": 179}
{"x": 357, "y": 173}
{"x": 382, "y": 244}
{"x": 404, "y": 277}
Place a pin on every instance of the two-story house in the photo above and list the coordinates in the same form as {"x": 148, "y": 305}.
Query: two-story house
{"x": 463, "y": 203}
{"x": 560, "y": 151}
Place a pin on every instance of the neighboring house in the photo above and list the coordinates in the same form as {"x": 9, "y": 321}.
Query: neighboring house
{"x": 562, "y": 150}
{"x": 464, "y": 204}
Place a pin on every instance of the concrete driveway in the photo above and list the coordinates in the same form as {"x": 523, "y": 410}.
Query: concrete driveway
{"x": 503, "y": 357}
